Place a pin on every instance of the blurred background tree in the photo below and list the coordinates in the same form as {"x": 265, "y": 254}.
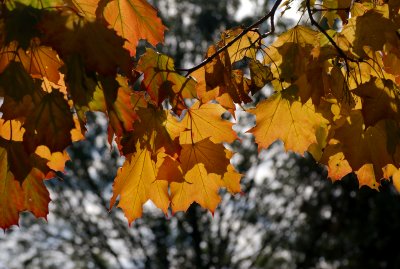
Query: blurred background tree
{"x": 288, "y": 216}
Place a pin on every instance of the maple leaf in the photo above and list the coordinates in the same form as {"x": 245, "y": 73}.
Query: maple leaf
{"x": 283, "y": 117}
{"x": 32, "y": 195}
{"x": 260, "y": 75}
{"x": 55, "y": 161}
{"x": 136, "y": 183}
{"x": 153, "y": 131}
{"x": 135, "y": 20}
{"x": 50, "y": 124}
{"x": 19, "y": 91}
{"x": 161, "y": 80}
{"x": 380, "y": 100}
{"x": 71, "y": 35}
{"x": 10, "y": 201}
{"x": 231, "y": 178}
{"x": 195, "y": 178}
{"x": 246, "y": 46}
{"x": 336, "y": 96}
{"x": 81, "y": 83}
{"x": 217, "y": 80}
{"x": 122, "y": 112}
{"x": 36, "y": 196}
{"x": 85, "y": 7}
{"x": 372, "y": 29}
{"x": 39, "y": 61}
{"x": 204, "y": 121}
{"x": 11, "y": 140}
{"x": 289, "y": 55}
{"x": 367, "y": 150}
{"x": 336, "y": 9}
{"x": 334, "y": 158}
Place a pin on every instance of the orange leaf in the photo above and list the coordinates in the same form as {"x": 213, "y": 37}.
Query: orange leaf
{"x": 14, "y": 198}
{"x": 135, "y": 20}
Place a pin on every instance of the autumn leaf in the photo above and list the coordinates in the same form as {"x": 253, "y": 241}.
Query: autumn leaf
{"x": 136, "y": 183}
{"x": 218, "y": 81}
{"x": 337, "y": 165}
{"x": 55, "y": 161}
{"x": 367, "y": 150}
{"x": 246, "y": 46}
{"x": 50, "y": 124}
{"x": 335, "y": 95}
{"x": 260, "y": 75}
{"x": 197, "y": 177}
{"x": 10, "y": 201}
{"x": 36, "y": 196}
{"x": 154, "y": 130}
{"x": 39, "y": 61}
{"x": 86, "y": 7}
{"x": 135, "y": 20}
{"x": 71, "y": 35}
{"x": 283, "y": 117}
{"x": 32, "y": 196}
{"x": 290, "y": 54}
{"x": 161, "y": 80}
{"x": 372, "y": 29}
{"x": 380, "y": 100}
{"x": 204, "y": 121}
{"x": 21, "y": 93}
{"x": 336, "y": 9}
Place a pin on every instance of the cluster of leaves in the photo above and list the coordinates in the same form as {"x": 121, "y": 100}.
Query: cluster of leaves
{"x": 335, "y": 97}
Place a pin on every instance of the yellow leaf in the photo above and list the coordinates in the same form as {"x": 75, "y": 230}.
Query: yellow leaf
{"x": 283, "y": 117}
{"x": 396, "y": 180}
{"x": 366, "y": 176}
{"x": 202, "y": 166}
{"x": 246, "y": 46}
{"x": 136, "y": 183}
{"x": 204, "y": 121}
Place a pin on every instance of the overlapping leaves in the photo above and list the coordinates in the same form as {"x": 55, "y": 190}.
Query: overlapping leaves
{"x": 339, "y": 102}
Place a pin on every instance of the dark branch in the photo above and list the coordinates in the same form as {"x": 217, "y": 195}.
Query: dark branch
{"x": 338, "y": 49}
{"x": 270, "y": 14}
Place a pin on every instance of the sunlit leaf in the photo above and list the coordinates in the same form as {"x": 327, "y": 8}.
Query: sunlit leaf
{"x": 135, "y": 20}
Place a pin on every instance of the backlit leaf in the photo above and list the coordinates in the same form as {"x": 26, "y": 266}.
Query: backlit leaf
{"x": 50, "y": 124}
{"x": 136, "y": 183}
{"x": 204, "y": 121}
{"x": 283, "y": 117}
{"x": 135, "y": 20}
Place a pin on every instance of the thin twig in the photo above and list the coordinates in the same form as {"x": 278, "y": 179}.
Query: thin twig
{"x": 338, "y": 49}
{"x": 245, "y": 31}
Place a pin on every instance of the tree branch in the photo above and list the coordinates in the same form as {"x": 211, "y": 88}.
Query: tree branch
{"x": 322, "y": 30}
{"x": 270, "y": 14}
